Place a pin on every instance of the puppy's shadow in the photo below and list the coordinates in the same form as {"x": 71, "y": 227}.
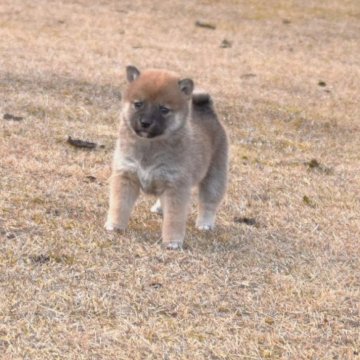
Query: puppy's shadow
{"x": 224, "y": 238}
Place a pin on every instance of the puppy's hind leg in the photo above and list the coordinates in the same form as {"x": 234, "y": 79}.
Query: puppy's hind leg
{"x": 212, "y": 190}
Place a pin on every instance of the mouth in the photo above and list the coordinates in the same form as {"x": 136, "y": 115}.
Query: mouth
{"x": 146, "y": 134}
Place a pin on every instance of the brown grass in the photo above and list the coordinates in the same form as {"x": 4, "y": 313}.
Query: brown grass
{"x": 286, "y": 288}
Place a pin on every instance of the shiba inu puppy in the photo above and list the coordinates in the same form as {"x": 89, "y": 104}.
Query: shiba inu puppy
{"x": 170, "y": 140}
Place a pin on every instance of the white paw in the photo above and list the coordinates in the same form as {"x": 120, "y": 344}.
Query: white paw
{"x": 173, "y": 246}
{"x": 109, "y": 226}
{"x": 156, "y": 208}
{"x": 204, "y": 227}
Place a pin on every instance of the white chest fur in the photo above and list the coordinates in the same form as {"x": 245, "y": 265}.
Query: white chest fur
{"x": 153, "y": 178}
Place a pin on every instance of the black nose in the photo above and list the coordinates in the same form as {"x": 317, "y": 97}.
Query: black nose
{"x": 145, "y": 123}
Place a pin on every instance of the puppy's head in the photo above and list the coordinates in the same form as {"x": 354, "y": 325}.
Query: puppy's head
{"x": 156, "y": 102}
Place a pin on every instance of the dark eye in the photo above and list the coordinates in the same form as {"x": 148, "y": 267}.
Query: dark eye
{"x": 164, "y": 110}
{"x": 138, "y": 104}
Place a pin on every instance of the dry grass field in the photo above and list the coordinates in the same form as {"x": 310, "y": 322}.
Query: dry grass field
{"x": 279, "y": 278}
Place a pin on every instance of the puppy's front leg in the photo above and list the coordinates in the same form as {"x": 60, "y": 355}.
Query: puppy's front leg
{"x": 123, "y": 193}
{"x": 176, "y": 205}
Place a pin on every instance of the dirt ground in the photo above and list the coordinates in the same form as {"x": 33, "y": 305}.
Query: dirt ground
{"x": 279, "y": 278}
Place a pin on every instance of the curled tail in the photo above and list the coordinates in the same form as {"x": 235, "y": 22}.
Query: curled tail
{"x": 202, "y": 101}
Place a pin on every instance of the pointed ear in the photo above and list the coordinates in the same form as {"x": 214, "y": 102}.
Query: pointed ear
{"x": 132, "y": 73}
{"x": 186, "y": 86}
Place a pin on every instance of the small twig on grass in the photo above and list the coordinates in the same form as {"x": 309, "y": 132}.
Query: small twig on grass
{"x": 205, "y": 24}
{"x": 8, "y": 116}
{"x": 81, "y": 143}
